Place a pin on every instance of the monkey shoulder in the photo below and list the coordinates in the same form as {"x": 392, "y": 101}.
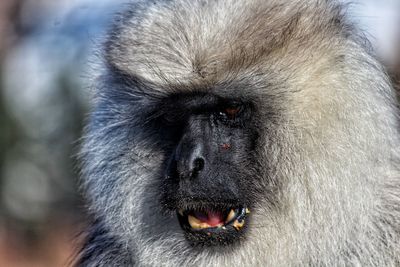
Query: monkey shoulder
{"x": 102, "y": 249}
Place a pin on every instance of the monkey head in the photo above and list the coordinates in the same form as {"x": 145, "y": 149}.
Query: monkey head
{"x": 255, "y": 132}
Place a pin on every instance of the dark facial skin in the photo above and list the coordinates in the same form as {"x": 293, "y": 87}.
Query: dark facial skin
{"x": 210, "y": 143}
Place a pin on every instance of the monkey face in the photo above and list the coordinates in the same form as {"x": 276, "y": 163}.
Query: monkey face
{"x": 210, "y": 166}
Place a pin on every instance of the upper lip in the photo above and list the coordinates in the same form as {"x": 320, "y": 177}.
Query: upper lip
{"x": 192, "y": 203}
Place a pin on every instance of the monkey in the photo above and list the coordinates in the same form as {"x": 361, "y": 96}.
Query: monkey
{"x": 241, "y": 133}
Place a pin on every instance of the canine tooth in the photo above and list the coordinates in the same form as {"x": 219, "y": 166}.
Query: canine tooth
{"x": 247, "y": 211}
{"x": 180, "y": 212}
{"x": 238, "y": 225}
{"x": 196, "y": 223}
{"x": 231, "y": 215}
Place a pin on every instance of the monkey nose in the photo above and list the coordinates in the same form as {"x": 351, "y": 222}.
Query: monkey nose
{"x": 196, "y": 161}
{"x": 197, "y": 165}
{"x": 191, "y": 162}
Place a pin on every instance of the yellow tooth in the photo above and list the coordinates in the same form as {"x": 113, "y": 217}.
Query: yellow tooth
{"x": 247, "y": 211}
{"x": 238, "y": 225}
{"x": 231, "y": 215}
{"x": 196, "y": 223}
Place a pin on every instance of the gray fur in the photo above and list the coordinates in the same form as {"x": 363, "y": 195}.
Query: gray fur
{"x": 332, "y": 149}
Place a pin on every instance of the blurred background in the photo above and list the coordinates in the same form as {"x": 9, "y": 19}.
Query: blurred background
{"x": 47, "y": 53}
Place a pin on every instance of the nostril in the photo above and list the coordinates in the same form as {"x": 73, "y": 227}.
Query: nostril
{"x": 198, "y": 164}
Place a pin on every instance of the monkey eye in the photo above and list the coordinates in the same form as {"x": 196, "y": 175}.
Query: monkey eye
{"x": 230, "y": 113}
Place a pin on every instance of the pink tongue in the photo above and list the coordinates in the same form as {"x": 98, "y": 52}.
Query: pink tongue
{"x": 212, "y": 218}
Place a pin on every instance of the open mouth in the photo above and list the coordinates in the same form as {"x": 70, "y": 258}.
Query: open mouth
{"x": 213, "y": 225}
{"x": 206, "y": 219}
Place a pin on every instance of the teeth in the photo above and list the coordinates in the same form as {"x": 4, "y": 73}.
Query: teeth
{"x": 238, "y": 225}
{"x": 196, "y": 223}
{"x": 231, "y": 215}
